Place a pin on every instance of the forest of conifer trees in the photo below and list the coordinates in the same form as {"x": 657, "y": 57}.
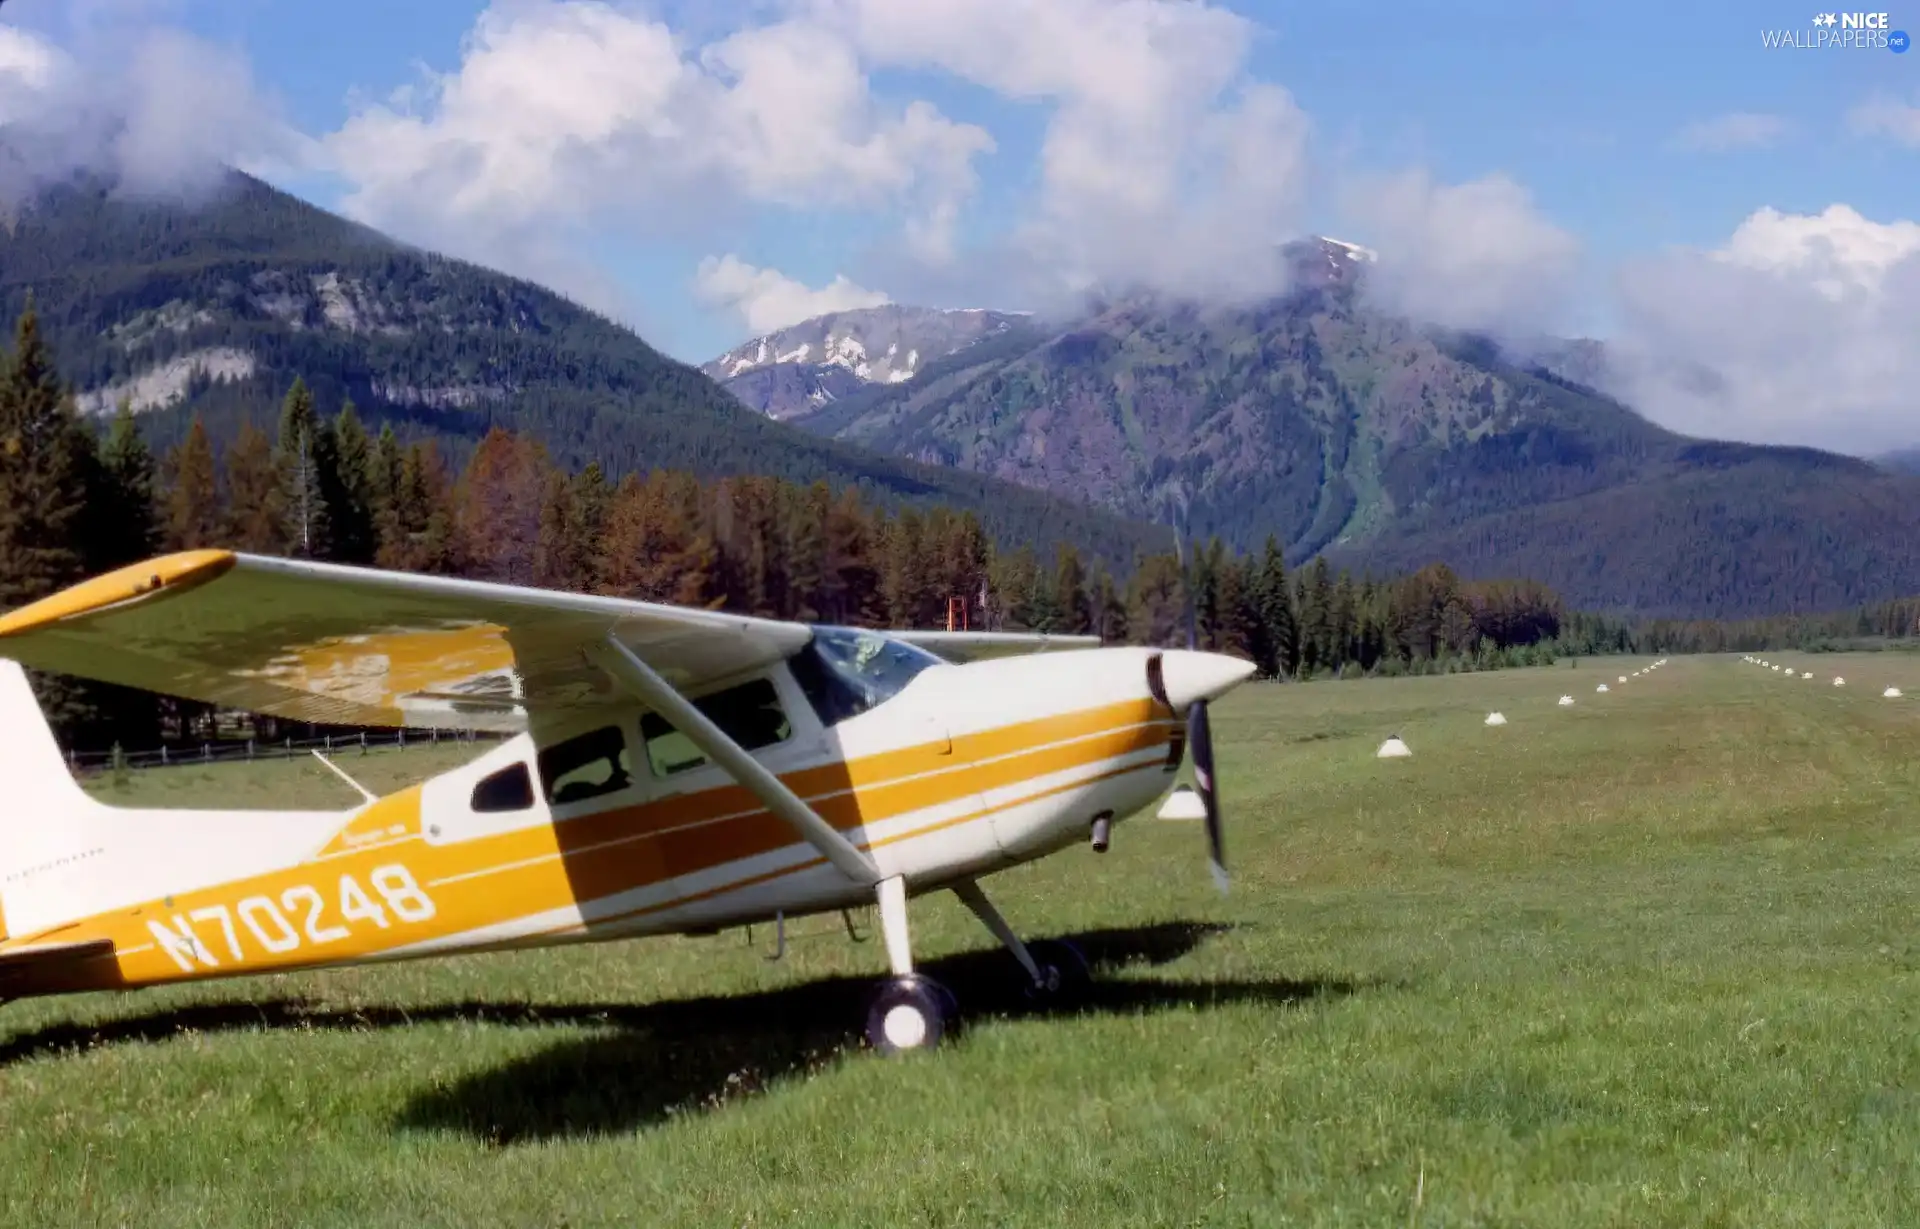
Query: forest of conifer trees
{"x": 75, "y": 502}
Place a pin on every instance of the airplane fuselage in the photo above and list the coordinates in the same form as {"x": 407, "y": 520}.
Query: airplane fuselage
{"x": 610, "y": 827}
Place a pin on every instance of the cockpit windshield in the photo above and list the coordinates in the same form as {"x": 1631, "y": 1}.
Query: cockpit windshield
{"x": 844, "y": 671}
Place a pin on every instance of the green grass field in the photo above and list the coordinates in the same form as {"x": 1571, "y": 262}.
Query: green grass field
{"x": 1650, "y": 960}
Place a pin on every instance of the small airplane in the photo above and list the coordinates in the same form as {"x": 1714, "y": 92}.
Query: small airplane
{"x": 668, "y": 771}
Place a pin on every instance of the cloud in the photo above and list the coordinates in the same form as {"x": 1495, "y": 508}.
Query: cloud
{"x": 1162, "y": 163}
{"x": 152, "y": 108}
{"x": 582, "y": 112}
{"x": 767, "y": 299}
{"x": 1798, "y": 330}
{"x": 1476, "y": 255}
{"x": 1734, "y": 130}
{"x": 1886, "y": 116}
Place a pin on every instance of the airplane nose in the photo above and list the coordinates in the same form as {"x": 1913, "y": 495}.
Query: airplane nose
{"x": 1189, "y": 676}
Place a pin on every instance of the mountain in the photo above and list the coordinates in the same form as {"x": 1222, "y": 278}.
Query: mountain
{"x": 214, "y": 309}
{"x": 799, "y": 369}
{"x": 1340, "y": 429}
{"x": 1905, "y": 461}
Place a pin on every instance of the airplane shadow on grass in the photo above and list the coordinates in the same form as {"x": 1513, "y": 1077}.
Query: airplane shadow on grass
{"x": 648, "y": 1063}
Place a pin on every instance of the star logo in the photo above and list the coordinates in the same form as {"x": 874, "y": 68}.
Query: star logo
{"x": 1824, "y": 19}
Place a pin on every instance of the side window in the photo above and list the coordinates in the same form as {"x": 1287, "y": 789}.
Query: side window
{"x": 586, "y": 766}
{"x": 510, "y": 789}
{"x": 750, "y": 714}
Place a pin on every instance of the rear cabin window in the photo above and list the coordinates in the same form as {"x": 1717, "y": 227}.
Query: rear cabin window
{"x": 510, "y": 789}
{"x": 749, "y": 714}
{"x": 586, "y": 766}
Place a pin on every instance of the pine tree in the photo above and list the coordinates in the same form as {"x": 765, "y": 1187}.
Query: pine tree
{"x": 904, "y": 570}
{"x": 1343, "y": 635}
{"x": 1204, "y": 569}
{"x": 425, "y": 529}
{"x": 385, "y": 468}
{"x": 47, "y": 464}
{"x": 127, "y": 531}
{"x": 302, "y": 506}
{"x": 1275, "y": 635}
{"x": 328, "y": 509}
{"x": 1110, "y": 607}
{"x": 500, "y": 499}
{"x": 806, "y": 551}
{"x": 1156, "y": 602}
{"x": 194, "y": 517}
{"x": 590, "y": 499}
{"x": 348, "y": 489}
{"x": 559, "y": 554}
{"x": 128, "y": 521}
{"x": 850, "y": 574}
{"x": 1070, "y": 615}
{"x": 43, "y": 471}
{"x": 253, "y": 520}
{"x": 1234, "y": 609}
{"x": 1023, "y": 603}
{"x": 1315, "y": 606}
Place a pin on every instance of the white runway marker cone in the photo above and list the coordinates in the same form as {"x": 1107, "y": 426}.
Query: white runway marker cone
{"x": 1566, "y": 701}
{"x": 1839, "y": 682}
{"x": 1496, "y": 719}
{"x": 1393, "y": 749}
{"x": 1183, "y": 803}
{"x": 1601, "y": 687}
{"x": 1891, "y": 693}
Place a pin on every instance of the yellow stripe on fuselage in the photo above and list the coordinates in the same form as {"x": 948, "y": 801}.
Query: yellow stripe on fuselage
{"x": 378, "y": 886}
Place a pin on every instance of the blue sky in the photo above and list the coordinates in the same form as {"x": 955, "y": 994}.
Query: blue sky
{"x": 1578, "y": 108}
{"x": 1578, "y": 101}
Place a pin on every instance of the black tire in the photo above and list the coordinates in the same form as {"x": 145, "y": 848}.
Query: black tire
{"x": 909, "y": 1013}
{"x": 1064, "y": 971}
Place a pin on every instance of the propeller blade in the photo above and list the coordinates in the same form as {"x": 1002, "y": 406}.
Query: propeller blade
{"x": 1200, "y": 740}
{"x": 1199, "y": 731}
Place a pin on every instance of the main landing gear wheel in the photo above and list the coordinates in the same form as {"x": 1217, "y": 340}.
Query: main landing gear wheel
{"x": 1064, "y": 972}
{"x": 910, "y": 1013}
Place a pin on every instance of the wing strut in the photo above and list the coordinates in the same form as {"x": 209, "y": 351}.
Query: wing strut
{"x": 640, "y": 679}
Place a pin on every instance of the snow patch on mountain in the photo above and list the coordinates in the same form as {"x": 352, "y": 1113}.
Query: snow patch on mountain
{"x": 800, "y": 368}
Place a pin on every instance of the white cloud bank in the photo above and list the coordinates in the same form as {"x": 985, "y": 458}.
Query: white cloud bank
{"x": 1798, "y": 330}
{"x": 766, "y": 299}
{"x": 157, "y": 110}
{"x": 1477, "y": 255}
{"x": 1162, "y": 163}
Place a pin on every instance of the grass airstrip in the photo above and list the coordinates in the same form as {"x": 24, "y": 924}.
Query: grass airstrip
{"x": 1646, "y": 960}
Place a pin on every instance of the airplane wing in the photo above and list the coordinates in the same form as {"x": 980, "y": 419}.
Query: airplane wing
{"x": 355, "y": 646}
{"x": 973, "y": 646}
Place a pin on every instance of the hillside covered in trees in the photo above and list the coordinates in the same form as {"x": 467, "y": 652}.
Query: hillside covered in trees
{"x": 1321, "y": 419}
{"x": 316, "y": 483}
{"x": 1312, "y": 418}
{"x": 210, "y": 310}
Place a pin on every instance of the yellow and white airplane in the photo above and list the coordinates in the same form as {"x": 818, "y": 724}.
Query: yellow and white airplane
{"x": 670, "y": 770}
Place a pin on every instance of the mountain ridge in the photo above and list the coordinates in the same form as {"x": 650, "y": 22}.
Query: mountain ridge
{"x": 213, "y": 310}
{"x": 1337, "y": 427}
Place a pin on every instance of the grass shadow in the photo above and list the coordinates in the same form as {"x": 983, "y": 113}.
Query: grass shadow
{"x": 650, "y": 1062}
{"x": 696, "y": 1055}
